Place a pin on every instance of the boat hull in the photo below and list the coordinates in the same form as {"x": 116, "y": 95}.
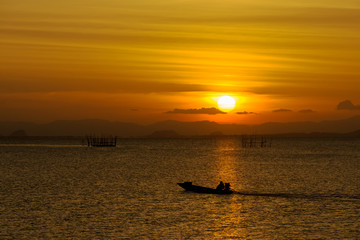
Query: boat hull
{"x": 199, "y": 189}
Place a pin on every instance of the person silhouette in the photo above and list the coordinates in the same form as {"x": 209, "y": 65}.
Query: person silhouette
{"x": 220, "y": 186}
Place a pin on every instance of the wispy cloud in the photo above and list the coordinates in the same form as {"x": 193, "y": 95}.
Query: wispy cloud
{"x": 245, "y": 113}
{"x": 306, "y": 111}
{"x": 23, "y": 85}
{"x": 210, "y": 111}
{"x": 281, "y": 110}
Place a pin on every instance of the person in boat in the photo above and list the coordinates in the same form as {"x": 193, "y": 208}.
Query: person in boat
{"x": 227, "y": 187}
{"x": 220, "y": 186}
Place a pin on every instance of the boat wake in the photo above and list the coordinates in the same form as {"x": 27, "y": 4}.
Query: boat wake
{"x": 306, "y": 196}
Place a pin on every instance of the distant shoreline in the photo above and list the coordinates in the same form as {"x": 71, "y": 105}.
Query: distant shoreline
{"x": 355, "y": 134}
{"x": 349, "y": 127}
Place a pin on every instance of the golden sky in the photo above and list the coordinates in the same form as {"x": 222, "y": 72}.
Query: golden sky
{"x": 141, "y": 60}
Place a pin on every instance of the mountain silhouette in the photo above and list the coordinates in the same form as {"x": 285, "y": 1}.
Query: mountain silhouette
{"x": 123, "y": 129}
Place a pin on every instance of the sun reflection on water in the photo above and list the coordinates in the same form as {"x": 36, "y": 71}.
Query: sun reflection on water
{"x": 230, "y": 214}
{"x": 227, "y": 154}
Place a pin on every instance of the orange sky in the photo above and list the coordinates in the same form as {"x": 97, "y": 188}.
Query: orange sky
{"x": 139, "y": 60}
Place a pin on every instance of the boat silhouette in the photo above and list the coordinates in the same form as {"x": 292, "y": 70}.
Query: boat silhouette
{"x": 188, "y": 186}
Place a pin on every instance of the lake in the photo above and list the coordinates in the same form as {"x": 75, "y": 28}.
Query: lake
{"x": 296, "y": 189}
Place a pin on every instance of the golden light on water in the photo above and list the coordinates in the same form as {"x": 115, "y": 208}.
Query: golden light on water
{"x": 226, "y": 162}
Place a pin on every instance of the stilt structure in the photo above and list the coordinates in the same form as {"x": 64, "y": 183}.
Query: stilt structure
{"x": 250, "y": 141}
{"x": 95, "y": 141}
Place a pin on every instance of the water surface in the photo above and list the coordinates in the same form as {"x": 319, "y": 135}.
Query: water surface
{"x": 297, "y": 189}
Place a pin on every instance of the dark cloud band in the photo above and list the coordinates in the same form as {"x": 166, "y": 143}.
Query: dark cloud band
{"x": 210, "y": 111}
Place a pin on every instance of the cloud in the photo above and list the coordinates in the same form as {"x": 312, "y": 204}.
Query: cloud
{"x": 281, "y": 110}
{"x": 306, "y": 111}
{"x": 210, "y": 111}
{"x": 347, "y": 105}
{"x": 245, "y": 112}
{"x": 89, "y": 84}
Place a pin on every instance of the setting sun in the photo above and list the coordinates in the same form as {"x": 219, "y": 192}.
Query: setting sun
{"x": 226, "y": 103}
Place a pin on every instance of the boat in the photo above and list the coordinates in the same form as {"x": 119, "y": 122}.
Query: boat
{"x": 188, "y": 186}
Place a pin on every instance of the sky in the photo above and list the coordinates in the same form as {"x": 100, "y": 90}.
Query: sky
{"x": 151, "y": 60}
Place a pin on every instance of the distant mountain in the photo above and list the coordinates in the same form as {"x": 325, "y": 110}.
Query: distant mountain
{"x": 353, "y": 134}
{"x": 337, "y": 126}
{"x": 90, "y": 126}
{"x": 121, "y": 129}
{"x": 164, "y": 134}
{"x": 18, "y": 133}
{"x": 7, "y": 128}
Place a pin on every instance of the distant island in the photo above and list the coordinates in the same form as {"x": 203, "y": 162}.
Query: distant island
{"x": 339, "y": 128}
{"x": 19, "y": 133}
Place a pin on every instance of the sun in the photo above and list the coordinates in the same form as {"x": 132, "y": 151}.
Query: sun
{"x": 226, "y": 103}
